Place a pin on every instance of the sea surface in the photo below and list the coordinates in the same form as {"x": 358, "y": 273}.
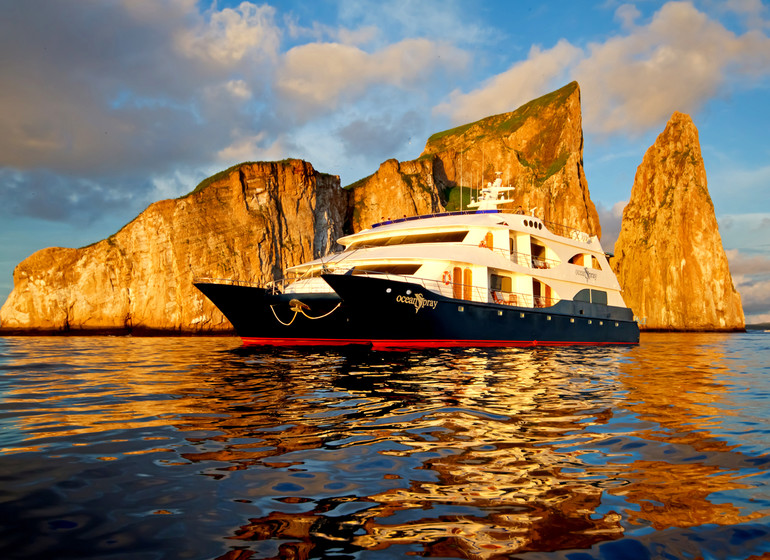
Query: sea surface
{"x": 198, "y": 448}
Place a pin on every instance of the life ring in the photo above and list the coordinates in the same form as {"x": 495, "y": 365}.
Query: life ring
{"x": 447, "y": 278}
{"x": 483, "y": 244}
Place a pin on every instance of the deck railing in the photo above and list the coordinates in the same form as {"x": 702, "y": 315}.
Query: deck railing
{"x": 472, "y": 293}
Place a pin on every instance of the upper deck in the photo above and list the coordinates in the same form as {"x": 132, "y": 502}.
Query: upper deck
{"x": 469, "y": 219}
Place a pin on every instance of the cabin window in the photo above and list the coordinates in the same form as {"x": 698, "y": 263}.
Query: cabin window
{"x": 591, "y": 296}
{"x": 582, "y": 259}
{"x": 407, "y": 239}
{"x": 598, "y": 296}
{"x": 402, "y": 269}
{"x": 542, "y": 294}
{"x": 500, "y": 283}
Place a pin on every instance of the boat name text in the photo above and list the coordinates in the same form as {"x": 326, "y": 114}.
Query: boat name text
{"x": 418, "y": 300}
{"x": 587, "y": 274}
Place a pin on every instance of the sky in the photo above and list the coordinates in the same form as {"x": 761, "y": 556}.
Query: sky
{"x": 109, "y": 105}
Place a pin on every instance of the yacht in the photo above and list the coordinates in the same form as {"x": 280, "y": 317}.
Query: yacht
{"x": 480, "y": 277}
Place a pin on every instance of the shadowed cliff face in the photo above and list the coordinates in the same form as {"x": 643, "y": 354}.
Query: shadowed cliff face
{"x": 248, "y": 224}
{"x": 669, "y": 257}
{"x": 538, "y": 148}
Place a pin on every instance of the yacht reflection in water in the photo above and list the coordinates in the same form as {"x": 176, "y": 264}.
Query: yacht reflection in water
{"x": 485, "y": 475}
{"x": 487, "y": 454}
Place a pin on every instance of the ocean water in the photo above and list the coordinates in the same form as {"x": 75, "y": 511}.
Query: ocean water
{"x": 198, "y": 448}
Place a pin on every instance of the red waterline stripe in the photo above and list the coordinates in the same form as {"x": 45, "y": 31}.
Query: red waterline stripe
{"x": 250, "y": 341}
{"x": 424, "y": 343}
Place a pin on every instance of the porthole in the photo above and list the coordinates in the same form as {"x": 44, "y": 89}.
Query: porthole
{"x": 460, "y": 308}
{"x": 590, "y": 322}
{"x": 388, "y": 291}
{"x": 548, "y": 317}
{"x": 409, "y": 292}
{"x": 571, "y": 319}
{"x": 521, "y": 315}
{"x": 499, "y": 313}
{"x": 539, "y": 226}
{"x": 601, "y": 323}
{"x": 617, "y": 324}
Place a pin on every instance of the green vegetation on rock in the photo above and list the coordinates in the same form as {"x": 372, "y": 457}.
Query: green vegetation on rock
{"x": 502, "y": 124}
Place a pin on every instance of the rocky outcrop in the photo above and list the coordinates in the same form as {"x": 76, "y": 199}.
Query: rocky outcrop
{"x": 246, "y": 223}
{"x": 250, "y": 222}
{"x": 396, "y": 190}
{"x": 538, "y": 148}
{"x": 669, "y": 257}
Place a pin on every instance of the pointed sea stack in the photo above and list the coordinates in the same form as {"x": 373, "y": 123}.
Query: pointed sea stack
{"x": 669, "y": 257}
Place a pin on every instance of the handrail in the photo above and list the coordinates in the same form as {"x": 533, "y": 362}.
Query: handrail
{"x": 523, "y": 259}
{"x": 478, "y": 294}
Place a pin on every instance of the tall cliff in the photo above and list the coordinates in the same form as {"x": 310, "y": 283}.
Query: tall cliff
{"x": 246, "y": 223}
{"x": 669, "y": 257}
{"x": 538, "y": 148}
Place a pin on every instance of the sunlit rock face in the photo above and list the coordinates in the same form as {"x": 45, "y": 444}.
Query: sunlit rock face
{"x": 246, "y": 223}
{"x": 396, "y": 190}
{"x": 669, "y": 257}
{"x": 538, "y": 149}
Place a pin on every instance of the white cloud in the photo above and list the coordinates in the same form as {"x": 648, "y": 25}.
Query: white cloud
{"x": 753, "y": 11}
{"x": 611, "y": 220}
{"x": 743, "y": 265}
{"x": 522, "y": 82}
{"x": 632, "y": 82}
{"x": 680, "y": 60}
{"x": 231, "y": 35}
{"x": 627, "y": 14}
{"x": 250, "y": 148}
{"x": 317, "y": 76}
{"x": 238, "y": 88}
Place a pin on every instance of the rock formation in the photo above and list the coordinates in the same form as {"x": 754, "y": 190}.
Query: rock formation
{"x": 669, "y": 257}
{"x": 538, "y": 148}
{"x": 394, "y": 191}
{"x": 251, "y": 221}
{"x": 246, "y": 223}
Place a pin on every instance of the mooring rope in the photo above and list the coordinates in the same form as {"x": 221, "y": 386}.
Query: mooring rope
{"x": 300, "y": 310}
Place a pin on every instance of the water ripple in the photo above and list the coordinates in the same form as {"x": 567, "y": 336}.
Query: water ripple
{"x": 200, "y": 448}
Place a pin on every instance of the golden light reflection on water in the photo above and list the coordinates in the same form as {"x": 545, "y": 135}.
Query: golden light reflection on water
{"x": 475, "y": 454}
{"x": 684, "y": 398}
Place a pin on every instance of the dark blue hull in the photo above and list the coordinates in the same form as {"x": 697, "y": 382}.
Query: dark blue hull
{"x": 390, "y": 314}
